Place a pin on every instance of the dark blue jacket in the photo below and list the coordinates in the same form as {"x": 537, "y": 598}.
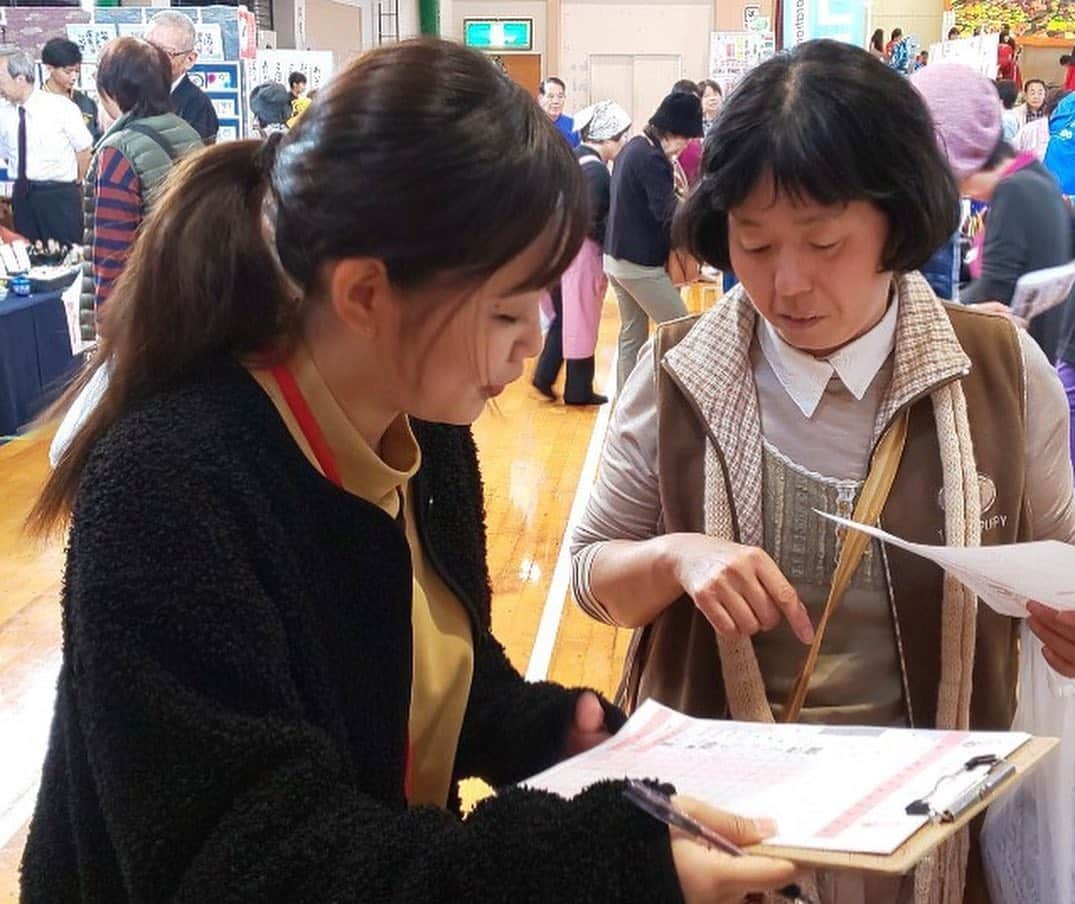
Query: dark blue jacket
{"x": 643, "y": 202}
{"x": 194, "y": 105}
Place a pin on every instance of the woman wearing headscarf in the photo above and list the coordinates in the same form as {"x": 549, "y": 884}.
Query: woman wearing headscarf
{"x": 602, "y": 129}
{"x": 1028, "y": 225}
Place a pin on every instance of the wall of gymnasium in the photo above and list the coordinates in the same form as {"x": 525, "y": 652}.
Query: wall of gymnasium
{"x": 584, "y": 28}
{"x": 921, "y": 18}
{"x": 346, "y": 27}
{"x": 589, "y": 29}
{"x": 567, "y": 32}
{"x": 604, "y": 28}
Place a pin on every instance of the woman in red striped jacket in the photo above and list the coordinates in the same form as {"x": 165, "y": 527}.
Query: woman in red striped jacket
{"x": 130, "y": 164}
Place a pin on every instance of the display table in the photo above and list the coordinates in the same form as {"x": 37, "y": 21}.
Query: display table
{"x": 35, "y": 356}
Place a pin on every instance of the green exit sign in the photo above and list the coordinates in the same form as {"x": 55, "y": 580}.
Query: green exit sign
{"x": 499, "y": 34}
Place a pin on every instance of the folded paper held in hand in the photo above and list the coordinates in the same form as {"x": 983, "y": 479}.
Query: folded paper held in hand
{"x": 839, "y": 794}
{"x": 1006, "y": 577}
{"x": 1042, "y": 290}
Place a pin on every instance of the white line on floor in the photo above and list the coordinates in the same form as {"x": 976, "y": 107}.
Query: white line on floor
{"x": 549, "y": 627}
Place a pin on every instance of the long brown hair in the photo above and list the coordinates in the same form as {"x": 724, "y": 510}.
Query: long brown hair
{"x": 420, "y": 154}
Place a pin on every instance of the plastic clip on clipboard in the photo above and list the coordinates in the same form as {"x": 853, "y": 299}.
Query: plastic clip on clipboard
{"x": 999, "y": 772}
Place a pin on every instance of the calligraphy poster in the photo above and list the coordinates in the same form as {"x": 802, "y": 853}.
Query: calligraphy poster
{"x": 209, "y": 42}
{"x": 277, "y": 65}
{"x": 91, "y": 39}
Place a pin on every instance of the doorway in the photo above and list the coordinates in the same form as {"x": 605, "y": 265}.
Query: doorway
{"x": 637, "y": 82}
{"x": 523, "y": 68}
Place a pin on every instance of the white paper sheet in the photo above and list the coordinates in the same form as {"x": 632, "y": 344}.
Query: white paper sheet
{"x": 1005, "y": 577}
{"x": 1042, "y": 290}
{"x": 827, "y": 787}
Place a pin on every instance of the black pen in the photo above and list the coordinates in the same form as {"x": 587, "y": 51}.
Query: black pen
{"x": 659, "y": 805}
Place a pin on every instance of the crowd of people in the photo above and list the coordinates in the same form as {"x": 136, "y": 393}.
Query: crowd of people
{"x": 278, "y": 660}
{"x": 86, "y": 172}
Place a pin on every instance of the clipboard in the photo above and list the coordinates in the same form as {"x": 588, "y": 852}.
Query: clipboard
{"x": 915, "y": 848}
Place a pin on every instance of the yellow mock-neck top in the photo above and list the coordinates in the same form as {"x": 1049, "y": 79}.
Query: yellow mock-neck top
{"x": 443, "y": 657}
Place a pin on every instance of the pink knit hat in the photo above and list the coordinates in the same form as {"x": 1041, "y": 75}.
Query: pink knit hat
{"x": 966, "y": 111}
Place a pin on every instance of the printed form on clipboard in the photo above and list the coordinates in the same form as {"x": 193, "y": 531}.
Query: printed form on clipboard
{"x": 829, "y": 788}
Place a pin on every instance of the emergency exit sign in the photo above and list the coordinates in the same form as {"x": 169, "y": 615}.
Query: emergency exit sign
{"x": 499, "y": 34}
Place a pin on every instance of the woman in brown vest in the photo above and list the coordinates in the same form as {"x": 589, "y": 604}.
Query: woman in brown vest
{"x": 824, "y": 190}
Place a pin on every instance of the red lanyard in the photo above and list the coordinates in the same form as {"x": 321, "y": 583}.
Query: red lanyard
{"x": 311, "y": 430}
{"x": 296, "y": 401}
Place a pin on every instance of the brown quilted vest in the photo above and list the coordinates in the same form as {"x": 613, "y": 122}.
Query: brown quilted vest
{"x": 675, "y": 659}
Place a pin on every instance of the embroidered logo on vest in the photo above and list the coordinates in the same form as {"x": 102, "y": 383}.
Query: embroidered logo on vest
{"x": 987, "y": 489}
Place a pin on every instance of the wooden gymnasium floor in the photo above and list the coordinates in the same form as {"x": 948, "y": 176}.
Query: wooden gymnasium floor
{"x": 533, "y": 454}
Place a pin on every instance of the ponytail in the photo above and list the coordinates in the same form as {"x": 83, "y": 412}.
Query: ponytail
{"x": 200, "y": 280}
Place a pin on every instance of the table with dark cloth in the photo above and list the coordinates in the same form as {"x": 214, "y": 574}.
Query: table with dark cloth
{"x": 35, "y": 356}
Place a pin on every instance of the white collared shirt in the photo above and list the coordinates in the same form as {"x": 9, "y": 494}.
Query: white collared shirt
{"x": 805, "y": 377}
{"x": 55, "y": 134}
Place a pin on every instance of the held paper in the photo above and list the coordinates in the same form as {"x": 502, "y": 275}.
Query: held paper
{"x": 1042, "y": 290}
{"x": 1005, "y": 577}
{"x": 835, "y": 788}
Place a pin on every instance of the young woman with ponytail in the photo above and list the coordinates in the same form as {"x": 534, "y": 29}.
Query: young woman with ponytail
{"x": 277, "y": 659}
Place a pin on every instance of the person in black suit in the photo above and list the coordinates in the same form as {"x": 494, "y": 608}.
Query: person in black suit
{"x": 174, "y": 33}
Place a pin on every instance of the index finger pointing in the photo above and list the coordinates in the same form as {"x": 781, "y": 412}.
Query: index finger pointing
{"x": 786, "y": 599}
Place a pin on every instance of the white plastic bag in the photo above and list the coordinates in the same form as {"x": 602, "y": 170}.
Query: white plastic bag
{"x": 76, "y": 415}
{"x": 1028, "y": 843}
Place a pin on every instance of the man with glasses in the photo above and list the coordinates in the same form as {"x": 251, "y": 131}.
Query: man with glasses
{"x": 174, "y": 34}
{"x": 63, "y": 62}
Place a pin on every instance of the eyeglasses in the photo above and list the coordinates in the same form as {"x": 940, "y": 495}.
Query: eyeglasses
{"x": 173, "y": 53}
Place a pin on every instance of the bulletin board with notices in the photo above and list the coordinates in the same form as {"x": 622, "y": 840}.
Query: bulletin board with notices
{"x": 732, "y": 54}
{"x": 217, "y": 71}
{"x": 223, "y": 83}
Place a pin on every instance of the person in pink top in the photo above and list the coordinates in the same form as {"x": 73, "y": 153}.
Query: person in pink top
{"x": 576, "y": 301}
{"x": 603, "y": 128}
{"x": 690, "y": 159}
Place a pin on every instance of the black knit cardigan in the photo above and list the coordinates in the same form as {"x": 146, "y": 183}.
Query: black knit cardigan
{"x": 232, "y": 707}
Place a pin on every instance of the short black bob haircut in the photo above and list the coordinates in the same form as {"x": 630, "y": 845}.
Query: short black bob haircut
{"x": 60, "y": 53}
{"x": 833, "y": 125}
